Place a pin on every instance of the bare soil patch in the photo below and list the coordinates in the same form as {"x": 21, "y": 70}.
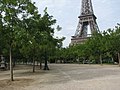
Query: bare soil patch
{"x": 6, "y": 84}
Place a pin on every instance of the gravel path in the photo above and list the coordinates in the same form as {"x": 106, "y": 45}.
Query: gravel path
{"x": 66, "y": 77}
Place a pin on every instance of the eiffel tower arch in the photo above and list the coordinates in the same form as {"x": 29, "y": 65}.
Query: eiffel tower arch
{"x": 87, "y": 19}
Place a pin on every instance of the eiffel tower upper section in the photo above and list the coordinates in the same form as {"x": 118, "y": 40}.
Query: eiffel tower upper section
{"x": 86, "y": 18}
{"x": 86, "y": 8}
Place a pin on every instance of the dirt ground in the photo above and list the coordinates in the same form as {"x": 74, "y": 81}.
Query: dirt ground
{"x": 63, "y": 77}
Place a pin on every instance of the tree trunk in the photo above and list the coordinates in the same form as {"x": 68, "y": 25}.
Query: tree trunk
{"x": 40, "y": 65}
{"x": 13, "y": 60}
{"x": 119, "y": 59}
{"x": 101, "y": 59}
{"x": 89, "y": 61}
{"x": 26, "y": 62}
{"x": 11, "y": 66}
{"x": 33, "y": 64}
{"x": 112, "y": 60}
{"x": 37, "y": 63}
{"x": 46, "y": 65}
{"x": 83, "y": 60}
{"x": 55, "y": 60}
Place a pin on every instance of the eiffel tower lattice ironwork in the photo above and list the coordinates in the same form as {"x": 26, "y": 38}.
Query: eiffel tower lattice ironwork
{"x": 87, "y": 19}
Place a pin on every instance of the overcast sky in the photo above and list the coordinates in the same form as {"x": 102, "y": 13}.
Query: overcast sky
{"x": 67, "y": 11}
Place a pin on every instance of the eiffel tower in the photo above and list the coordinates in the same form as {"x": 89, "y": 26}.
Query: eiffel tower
{"x": 87, "y": 20}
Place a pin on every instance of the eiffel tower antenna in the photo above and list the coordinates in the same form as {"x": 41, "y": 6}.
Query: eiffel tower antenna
{"x": 86, "y": 18}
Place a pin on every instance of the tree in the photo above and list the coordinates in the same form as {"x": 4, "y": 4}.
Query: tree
{"x": 13, "y": 11}
{"x": 116, "y": 42}
{"x": 49, "y": 43}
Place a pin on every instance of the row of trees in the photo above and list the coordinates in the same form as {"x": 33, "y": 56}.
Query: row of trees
{"x": 101, "y": 48}
{"x": 25, "y": 34}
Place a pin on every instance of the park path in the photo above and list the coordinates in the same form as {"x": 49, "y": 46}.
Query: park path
{"x": 71, "y": 77}
{"x": 79, "y": 77}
